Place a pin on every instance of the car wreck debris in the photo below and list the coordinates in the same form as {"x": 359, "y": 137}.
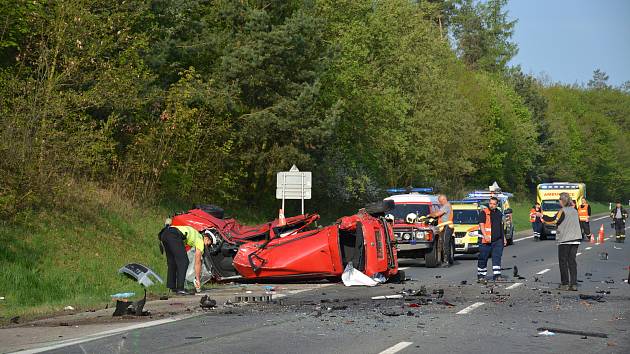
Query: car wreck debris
{"x": 295, "y": 249}
{"x": 141, "y": 273}
{"x": 569, "y": 331}
{"x": 126, "y": 307}
{"x": 207, "y": 303}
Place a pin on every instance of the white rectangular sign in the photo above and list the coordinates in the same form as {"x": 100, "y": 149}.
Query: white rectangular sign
{"x": 294, "y": 185}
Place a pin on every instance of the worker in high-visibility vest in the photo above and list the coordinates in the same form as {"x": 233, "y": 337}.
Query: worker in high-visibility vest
{"x": 536, "y": 221}
{"x": 492, "y": 241}
{"x": 584, "y": 213}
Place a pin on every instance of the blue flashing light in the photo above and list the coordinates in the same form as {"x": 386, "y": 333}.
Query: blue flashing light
{"x": 465, "y": 201}
{"x": 410, "y": 190}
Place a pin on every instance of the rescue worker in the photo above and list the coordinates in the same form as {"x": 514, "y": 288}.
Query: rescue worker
{"x": 584, "y": 213}
{"x": 619, "y": 216}
{"x": 568, "y": 238}
{"x": 493, "y": 241}
{"x": 536, "y": 221}
{"x": 445, "y": 213}
{"x": 174, "y": 240}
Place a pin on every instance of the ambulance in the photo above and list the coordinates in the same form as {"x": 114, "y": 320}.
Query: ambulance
{"x": 466, "y": 222}
{"x": 548, "y": 195}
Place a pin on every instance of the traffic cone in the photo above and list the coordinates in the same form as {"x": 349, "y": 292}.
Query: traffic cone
{"x": 593, "y": 238}
{"x": 601, "y": 234}
{"x": 281, "y": 220}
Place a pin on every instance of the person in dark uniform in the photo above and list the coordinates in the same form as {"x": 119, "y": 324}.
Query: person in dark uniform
{"x": 619, "y": 215}
{"x": 493, "y": 241}
{"x": 174, "y": 240}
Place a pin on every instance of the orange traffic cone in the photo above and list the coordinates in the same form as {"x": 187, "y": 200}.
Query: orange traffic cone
{"x": 593, "y": 238}
{"x": 281, "y": 220}
{"x": 601, "y": 234}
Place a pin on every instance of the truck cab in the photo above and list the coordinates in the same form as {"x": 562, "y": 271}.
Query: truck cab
{"x": 548, "y": 194}
{"x": 416, "y": 235}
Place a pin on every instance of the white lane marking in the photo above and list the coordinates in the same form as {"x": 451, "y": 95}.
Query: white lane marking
{"x": 607, "y": 238}
{"x": 100, "y": 335}
{"x": 403, "y": 268}
{"x": 297, "y": 291}
{"x": 523, "y": 238}
{"x": 579, "y": 253}
{"x": 470, "y": 308}
{"x": 603, "y": 217}
{"x": 588, "y": 248}
{"x": 543, "y": 271}
{"x": 396, "y": 348}
{"x": 513, "y": 286}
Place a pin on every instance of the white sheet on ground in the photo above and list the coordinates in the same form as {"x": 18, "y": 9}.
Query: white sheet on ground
{"x": 190, "y": 272}
{"x": 353, "y": 277}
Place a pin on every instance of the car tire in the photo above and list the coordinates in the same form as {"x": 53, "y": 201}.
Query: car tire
{"x": 398, "y": 278}
{"x": 432, "y": 259}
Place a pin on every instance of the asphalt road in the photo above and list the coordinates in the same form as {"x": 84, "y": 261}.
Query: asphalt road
{"x": 468, "y": 317}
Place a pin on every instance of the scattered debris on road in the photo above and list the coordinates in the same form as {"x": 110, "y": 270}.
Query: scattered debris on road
{"x": 546, "y": 333}
{"x": 207, "y": 303}
{"x": 598, "y": 298}
{"x": 387, "y": 297}
{"x": 570, "y": 331}
{"x": 141, "y": 273}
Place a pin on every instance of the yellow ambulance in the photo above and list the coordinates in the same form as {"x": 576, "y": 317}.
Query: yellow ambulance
{"x": 548, "y": 195}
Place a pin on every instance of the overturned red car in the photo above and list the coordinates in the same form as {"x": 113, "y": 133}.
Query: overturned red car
{"x": 296, "y": 250}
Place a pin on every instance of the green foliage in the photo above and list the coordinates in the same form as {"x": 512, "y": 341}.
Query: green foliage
{"x": 191, "y": 101}
{"x": 482, "y": 33}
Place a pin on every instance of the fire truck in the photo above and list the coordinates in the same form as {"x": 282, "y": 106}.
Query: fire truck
{"x": 417, "y": 235}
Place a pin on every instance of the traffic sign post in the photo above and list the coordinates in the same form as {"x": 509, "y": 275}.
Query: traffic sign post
{"x": 294, "y": 184}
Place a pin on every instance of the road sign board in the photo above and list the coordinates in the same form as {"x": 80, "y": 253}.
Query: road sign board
{"x": 294, "y": 184}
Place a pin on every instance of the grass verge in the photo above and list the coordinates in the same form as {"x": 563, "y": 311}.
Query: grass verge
{"x": 52, "y": 259}
{"x": 521, "y": 210}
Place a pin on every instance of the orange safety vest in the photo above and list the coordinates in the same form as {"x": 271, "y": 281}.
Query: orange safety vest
{"x": 487, "y": 228}
{"x": 583, "y": 212}
{"x": 532, "y": 215}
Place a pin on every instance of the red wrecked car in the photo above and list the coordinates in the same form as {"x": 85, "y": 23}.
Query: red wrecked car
{"x": 298, "y": 249}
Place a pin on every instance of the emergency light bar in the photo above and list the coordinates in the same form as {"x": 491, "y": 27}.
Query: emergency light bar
{"x": 486, "y": 194}
{"x": 465, "y": 201}
{"x": 559, "y": 186}
{"x": 410, "y": 190}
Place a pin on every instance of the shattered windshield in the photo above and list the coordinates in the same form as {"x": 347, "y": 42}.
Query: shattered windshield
{"x": 465, "y": 217}
{"x": 550, "y": 205}
{"x": 401, "y": 211}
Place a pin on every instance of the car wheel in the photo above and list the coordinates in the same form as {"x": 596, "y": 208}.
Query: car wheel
{"x": 433, "y": 258}
{"x": 398, "y": 278}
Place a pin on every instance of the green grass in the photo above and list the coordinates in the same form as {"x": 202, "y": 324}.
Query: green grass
{"x": 521, "y": 209}
{"x": 53, "y": 259}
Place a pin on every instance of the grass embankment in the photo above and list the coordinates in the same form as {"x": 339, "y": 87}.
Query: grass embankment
{"x": 521, "y": 213}
{"x": 52, "y": 259}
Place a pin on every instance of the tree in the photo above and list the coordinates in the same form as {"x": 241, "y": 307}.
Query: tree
{"x": 482, "y": 33}
{"x": 599, "y": 80}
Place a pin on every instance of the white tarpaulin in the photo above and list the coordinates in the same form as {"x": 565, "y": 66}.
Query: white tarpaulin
{"x": 353, "y": 277}
{"x": 190, "y": 272}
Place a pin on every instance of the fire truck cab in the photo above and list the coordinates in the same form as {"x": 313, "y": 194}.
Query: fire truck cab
{"x": 416, "y": 234}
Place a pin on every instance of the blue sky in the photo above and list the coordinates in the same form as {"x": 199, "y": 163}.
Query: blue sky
{"x": 568, "y": 39}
